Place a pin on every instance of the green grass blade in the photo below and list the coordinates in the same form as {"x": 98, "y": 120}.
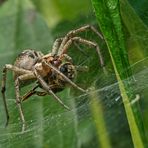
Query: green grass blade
{"x": 97, "y": 112}
{"x": 108, "y": 16}
{"x": 135, "y": 132}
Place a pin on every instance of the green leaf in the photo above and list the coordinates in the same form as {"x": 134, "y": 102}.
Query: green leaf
{"x": 56, "y": 10}
{"x": 22, "y": 27}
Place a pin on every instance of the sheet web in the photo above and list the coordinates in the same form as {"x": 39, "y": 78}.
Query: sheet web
{"x": 46, "y": 125}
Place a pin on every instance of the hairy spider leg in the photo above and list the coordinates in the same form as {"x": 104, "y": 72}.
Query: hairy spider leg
{"x": 56, "y": 46}
{"x": 33, "y": 92}
{"x": 86, "y": 42}
{"x": 72, "y": 33}
{"x": 66, "y": 78}
{"x": 23, "y": 77}
{"x": 3, "y": 89}
{"x": 4, "y": 76}
{"x": 49, "y": 91}
{"x": 18, "y": 102}
{"x": 57, "y": 43}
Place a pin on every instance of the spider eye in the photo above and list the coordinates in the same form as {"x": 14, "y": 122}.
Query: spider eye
{"x": 64, "y": 68}
{"x": 68, "y": 70}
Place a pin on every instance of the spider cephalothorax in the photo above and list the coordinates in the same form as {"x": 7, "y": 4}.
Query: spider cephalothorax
{"x": 52, "y": 71}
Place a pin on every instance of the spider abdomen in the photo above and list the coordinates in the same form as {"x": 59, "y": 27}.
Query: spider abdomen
{"x": 27, "y": 59}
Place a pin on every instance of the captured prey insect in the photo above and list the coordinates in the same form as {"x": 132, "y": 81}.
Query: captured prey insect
{"x": 52, "y": 71}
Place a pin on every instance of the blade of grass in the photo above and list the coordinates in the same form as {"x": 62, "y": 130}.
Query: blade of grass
{"x": 108, "y": 16}
{"x": 97, "y": 112}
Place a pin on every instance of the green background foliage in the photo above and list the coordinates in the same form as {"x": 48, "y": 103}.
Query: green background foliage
{"x": 36, "y": 24}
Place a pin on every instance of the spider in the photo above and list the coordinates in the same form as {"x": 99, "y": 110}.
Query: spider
{"x": 52, "y": 71}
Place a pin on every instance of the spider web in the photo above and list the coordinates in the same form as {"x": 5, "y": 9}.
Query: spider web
{"x": 46, "y": 121}
{"x": 48, "y": 124}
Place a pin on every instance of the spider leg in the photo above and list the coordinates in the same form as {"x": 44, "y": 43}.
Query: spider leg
{"x": 86, "y": 42}
{"x": 32, "y": 92}
{"x": 49, "y": 91}
{"x": 82, "y": 68}
{"x": 18, "y": 79}
{"x": 76, "y": 31}
{"x": 66, "y": 78}
{"x": 3, "y": 89}
{"x": 29, "y": 94}
{"x": 41, "y": 93}
{"x": 56, "y": 45}
{"x": 18, "y": 102}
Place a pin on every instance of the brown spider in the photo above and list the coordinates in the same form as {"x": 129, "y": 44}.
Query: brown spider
{"x": 52, "y": 71}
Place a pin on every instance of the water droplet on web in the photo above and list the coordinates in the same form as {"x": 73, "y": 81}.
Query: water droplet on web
{"x": 117, "y": 99}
